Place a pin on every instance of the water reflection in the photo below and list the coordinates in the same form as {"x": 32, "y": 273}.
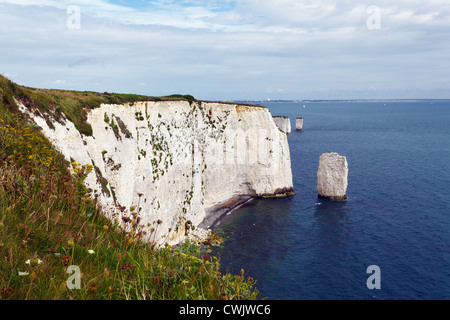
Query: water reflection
{"x": 332, "y": 223}
{"x": 255, "y": 234}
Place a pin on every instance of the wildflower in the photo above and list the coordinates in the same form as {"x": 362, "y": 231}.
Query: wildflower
{"x": 224, "y": 296}
{"x": 65, "y": 260}
{"x": 23, "y": 243}
{"x": 125, "y": 219}
{"x": 33, "y": 262}
{"x": 1, "y": 224}
{"x": 105, "y": 227}
{"x": 92, "y": 288}
{"x": 89, "y": 168}
{"x": 127, "y": 267}
{"x": 70, "y": 243}
{"x": 6, "y": 291}
{"x": 91, "y": 251}
{"x": 22, "y": 274}
{"x": 250, "y": 280}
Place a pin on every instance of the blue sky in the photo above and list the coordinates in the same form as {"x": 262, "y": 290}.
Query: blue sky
{"x": 226, "y": 50}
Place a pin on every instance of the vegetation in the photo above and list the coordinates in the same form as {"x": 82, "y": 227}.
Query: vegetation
{"x": 50, "y": 222}
{"x": 74, "y": 103}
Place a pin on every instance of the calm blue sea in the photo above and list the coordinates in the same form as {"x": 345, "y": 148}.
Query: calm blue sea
{"x": 397, "y": 216}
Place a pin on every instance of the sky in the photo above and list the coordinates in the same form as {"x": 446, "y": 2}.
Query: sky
{"x": 231, "y": 49}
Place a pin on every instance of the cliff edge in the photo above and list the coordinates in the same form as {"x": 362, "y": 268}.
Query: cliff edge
{"x": 173, "y": 160}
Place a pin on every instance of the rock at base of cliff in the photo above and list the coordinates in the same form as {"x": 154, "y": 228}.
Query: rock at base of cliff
{"x": 199, "y": 235}
{"x": 332, "y": 177}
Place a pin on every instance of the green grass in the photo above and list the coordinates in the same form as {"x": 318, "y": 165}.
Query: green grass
{"x": 74, "y": 104}
{"x": 49, "y": 221}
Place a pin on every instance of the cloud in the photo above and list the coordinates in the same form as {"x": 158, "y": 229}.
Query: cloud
{"x": 229, "y": 49}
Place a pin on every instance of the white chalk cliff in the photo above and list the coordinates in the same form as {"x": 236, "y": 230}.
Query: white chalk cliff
{"x": 183, "y": 158}
{"x": 284, "y": 123}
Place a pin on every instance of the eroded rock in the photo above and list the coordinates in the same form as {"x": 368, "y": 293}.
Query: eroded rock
{"x": 283, "y": 123}
{"x": 332, "y": 177}
{"x": 299, "y": 124}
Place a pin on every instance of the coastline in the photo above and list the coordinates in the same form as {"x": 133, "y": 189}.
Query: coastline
{"x": 215, "y": 213}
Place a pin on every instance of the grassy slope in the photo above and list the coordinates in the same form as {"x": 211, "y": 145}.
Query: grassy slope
{"x": 48, "y": 221}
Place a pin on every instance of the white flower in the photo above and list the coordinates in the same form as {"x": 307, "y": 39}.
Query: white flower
{"x": 91, "y": 251}
{"x": 21, "y": 274}
{"x": 33, "y": 262}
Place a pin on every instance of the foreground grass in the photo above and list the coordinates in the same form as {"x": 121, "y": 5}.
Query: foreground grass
{"x": 50, "y": 222}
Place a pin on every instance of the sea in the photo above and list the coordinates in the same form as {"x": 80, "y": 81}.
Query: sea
{"x": 389, "y": 241}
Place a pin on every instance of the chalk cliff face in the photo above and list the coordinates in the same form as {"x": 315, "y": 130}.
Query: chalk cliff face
{"x": 175, "y": 159}
{"x": 284, "y": 123}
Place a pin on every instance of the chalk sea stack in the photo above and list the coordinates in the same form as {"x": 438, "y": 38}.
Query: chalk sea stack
{"x": 332, "y": 177}
{"x": 299, "y": 124}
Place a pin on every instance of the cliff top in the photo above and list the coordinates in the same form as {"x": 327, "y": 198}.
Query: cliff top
{"x": 75, "y": 103}
{"x": 48, "y": 222}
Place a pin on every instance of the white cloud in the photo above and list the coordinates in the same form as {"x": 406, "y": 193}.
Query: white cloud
{"x": 228, "y": 49}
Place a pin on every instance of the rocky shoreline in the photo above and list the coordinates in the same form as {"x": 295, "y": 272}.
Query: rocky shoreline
{"x": 204, "y": 233}
{"x": 215, "y": 213}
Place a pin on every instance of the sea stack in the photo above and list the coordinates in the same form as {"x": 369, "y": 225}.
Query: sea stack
{"x": 299, "y": 124}
{"x": 332, "y": 177}
{"x": 283, "y": 123}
